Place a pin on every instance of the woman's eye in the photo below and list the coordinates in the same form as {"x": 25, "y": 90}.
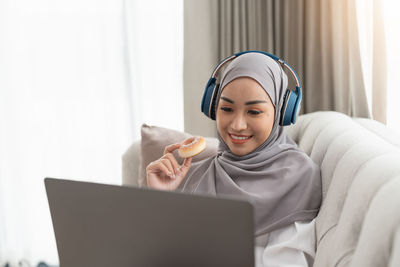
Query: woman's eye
{"x": 226, "y": 109}
{"x": 254, "y": 112}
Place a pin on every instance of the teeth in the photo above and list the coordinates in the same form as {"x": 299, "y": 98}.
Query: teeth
{"x": 240, "y": 137}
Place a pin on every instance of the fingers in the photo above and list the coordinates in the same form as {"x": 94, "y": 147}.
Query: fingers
{"x": 168, "y": 164}
{"x": 174, "y": 170}
{"x": 171, "y": 148}
{"x": 185, "y": 166}
{"x": 166, "y": 173}
{"x": 187, "y": 162}
{"x": 159, "y": 166}
{"x": 172, "y": 159}
{"x": 172, "y": 163}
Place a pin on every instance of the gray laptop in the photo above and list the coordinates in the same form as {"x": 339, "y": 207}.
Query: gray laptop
{"x": 107, "y": 225}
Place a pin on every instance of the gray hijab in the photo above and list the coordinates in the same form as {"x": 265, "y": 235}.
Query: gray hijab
{"x": 281, "y": 181}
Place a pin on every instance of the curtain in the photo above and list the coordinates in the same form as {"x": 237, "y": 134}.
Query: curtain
{"x": 77, "y": 79}
{"x": 391, "y": 23}
{"x": 318, "y": 38}
{"x": 153, "y": 41}
{"x": 373, "y": 44}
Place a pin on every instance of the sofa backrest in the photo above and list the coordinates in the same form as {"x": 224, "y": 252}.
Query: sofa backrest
{"x": 356, "y": 164}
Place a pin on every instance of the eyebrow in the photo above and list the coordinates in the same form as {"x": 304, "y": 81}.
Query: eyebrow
{"x": 247, "y": 103}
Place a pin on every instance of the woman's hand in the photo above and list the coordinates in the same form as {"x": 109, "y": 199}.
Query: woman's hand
{"x": 165, "y": 173}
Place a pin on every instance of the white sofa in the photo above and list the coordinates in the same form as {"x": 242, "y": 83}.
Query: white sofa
{"x": 359, "y": 220}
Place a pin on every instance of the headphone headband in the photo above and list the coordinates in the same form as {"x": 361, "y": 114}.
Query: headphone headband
{"x": 282, "y": 62}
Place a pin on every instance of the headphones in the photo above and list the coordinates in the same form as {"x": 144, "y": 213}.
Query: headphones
{"x": 291, "y": 99}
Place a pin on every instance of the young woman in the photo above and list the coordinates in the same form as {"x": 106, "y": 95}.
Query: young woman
{"x": 256, "y": 161}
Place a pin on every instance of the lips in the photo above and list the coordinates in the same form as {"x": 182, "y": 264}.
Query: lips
{"x": 239, "y": 139}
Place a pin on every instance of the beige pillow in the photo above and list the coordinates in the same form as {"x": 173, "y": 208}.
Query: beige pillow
{"x": 155, "y": 139}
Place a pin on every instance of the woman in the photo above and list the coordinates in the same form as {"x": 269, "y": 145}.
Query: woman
{"x": 256, "y": 161}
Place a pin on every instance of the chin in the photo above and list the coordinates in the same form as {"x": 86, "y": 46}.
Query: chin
{"x": 239, "y": 152}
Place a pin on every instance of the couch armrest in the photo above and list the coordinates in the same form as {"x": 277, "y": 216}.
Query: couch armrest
{"x": 131, "y": 164}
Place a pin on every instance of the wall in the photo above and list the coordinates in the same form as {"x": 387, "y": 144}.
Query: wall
{"x": 200, "y": 59}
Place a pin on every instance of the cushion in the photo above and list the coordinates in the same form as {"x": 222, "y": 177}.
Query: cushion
{"x": 154, "y": 140}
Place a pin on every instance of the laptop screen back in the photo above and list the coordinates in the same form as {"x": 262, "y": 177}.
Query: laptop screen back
{"x": 107, "y": 225}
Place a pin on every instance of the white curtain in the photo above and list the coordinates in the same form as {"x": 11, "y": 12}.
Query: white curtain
{"x": 379, "y": 23}
{"x": 154, "y": 38}
{"x": 392, "y": 25}
{"x": 77, "y": 79}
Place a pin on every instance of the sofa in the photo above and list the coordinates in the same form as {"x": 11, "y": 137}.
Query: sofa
{"x": 359, "y": 220}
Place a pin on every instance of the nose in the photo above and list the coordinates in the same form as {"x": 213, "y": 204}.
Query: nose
{"x": 239, "y": 123}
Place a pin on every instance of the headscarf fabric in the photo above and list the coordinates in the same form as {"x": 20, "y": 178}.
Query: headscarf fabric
{"x": 281, "y": 181}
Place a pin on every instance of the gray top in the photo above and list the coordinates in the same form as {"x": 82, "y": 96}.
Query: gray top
{"x": 280, "y": 180}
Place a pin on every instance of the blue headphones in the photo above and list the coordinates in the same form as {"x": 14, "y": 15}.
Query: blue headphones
{"x": 291, "y": 99}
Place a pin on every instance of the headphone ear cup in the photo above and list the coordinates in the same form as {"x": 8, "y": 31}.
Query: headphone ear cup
{"x": 299, "y": 97}
{"x": 206, "y": 101}
{"x": 289, "y": 109}
{"x": 214, "y": 103}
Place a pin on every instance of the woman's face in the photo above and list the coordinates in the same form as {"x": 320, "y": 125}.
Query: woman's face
{"x": 245, "y": 115}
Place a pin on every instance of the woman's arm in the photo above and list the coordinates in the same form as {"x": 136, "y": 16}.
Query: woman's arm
{"x": 293, "y": 245}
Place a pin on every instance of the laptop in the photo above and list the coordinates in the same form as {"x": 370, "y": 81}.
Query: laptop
{"x": 108, "y": 225}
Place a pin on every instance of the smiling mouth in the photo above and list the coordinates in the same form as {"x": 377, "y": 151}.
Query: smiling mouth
{"x": 239, "y": 139}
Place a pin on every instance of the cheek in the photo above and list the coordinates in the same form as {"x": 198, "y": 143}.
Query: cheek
{"x": 270, "y": 114}
{"x": 219, "y": 127}
{"x": 221, "y": 119}
{"x": 220, "y": 123}
{"x": 265, "y": 126}
{"x": 222, "y": 129}
{"x": 270, "y": 111}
